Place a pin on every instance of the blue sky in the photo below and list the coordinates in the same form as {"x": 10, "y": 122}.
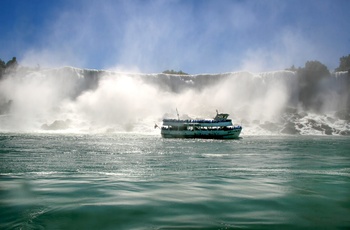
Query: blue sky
{"x": 194, "y": 36}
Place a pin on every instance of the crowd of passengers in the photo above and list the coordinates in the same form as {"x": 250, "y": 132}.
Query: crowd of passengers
{"x": 191, "y": 128}
{"x": 195, "y": 121}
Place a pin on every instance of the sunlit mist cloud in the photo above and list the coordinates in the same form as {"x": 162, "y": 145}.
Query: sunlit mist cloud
{"x": 193, "y": 36}
{"x": 290, "y": 48}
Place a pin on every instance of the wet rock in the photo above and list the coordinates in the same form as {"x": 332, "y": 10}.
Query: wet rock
{"x": 302, "y": 114}
{"x": 318, "y": 128}
{"x": 311, "y": 121}
{"x": 289, "y": 128}
{"x": 345, "y": 132}
{"x": 324, "y": 128}
{"x": 330, "y": 119}
{"x": 57, "y": 125}
{"x": 327, "y": 129}
{"x": 315, "y": 125}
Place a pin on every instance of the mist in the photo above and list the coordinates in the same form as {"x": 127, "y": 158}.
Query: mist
{"x": 78, "y": 100}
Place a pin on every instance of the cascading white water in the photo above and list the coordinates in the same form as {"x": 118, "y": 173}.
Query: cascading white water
{"x": 76, "y": 100}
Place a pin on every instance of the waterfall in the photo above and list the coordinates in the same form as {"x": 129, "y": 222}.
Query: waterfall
{"x": 80, "y": 100}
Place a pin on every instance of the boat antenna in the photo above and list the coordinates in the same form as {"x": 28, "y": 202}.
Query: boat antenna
{"x": 178, "y": 116}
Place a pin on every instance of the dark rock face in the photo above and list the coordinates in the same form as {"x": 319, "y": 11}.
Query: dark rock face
{"x": 324, "y": 128}
{"x": 345, "y": 132}
{"x": 56, "y": 125}
{"x": 327, "y": 130}
{"x": 289, "y": 128}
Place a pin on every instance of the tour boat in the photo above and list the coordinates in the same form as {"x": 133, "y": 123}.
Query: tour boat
{"x": 218, "y": 128}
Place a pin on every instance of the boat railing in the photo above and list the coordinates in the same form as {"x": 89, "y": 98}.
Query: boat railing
{"x": 196, "y": 121}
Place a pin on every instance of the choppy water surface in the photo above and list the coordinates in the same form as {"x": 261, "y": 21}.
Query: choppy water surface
{"x": 137, "y": 181}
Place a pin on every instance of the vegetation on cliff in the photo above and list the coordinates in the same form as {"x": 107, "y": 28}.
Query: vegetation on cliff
{"x": 8, "y": 66}
{"x": 174, "y": 72}
{"x": 344, "y": 64}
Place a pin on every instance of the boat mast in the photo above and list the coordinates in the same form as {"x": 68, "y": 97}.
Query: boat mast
{"x": 178, "y": 116}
